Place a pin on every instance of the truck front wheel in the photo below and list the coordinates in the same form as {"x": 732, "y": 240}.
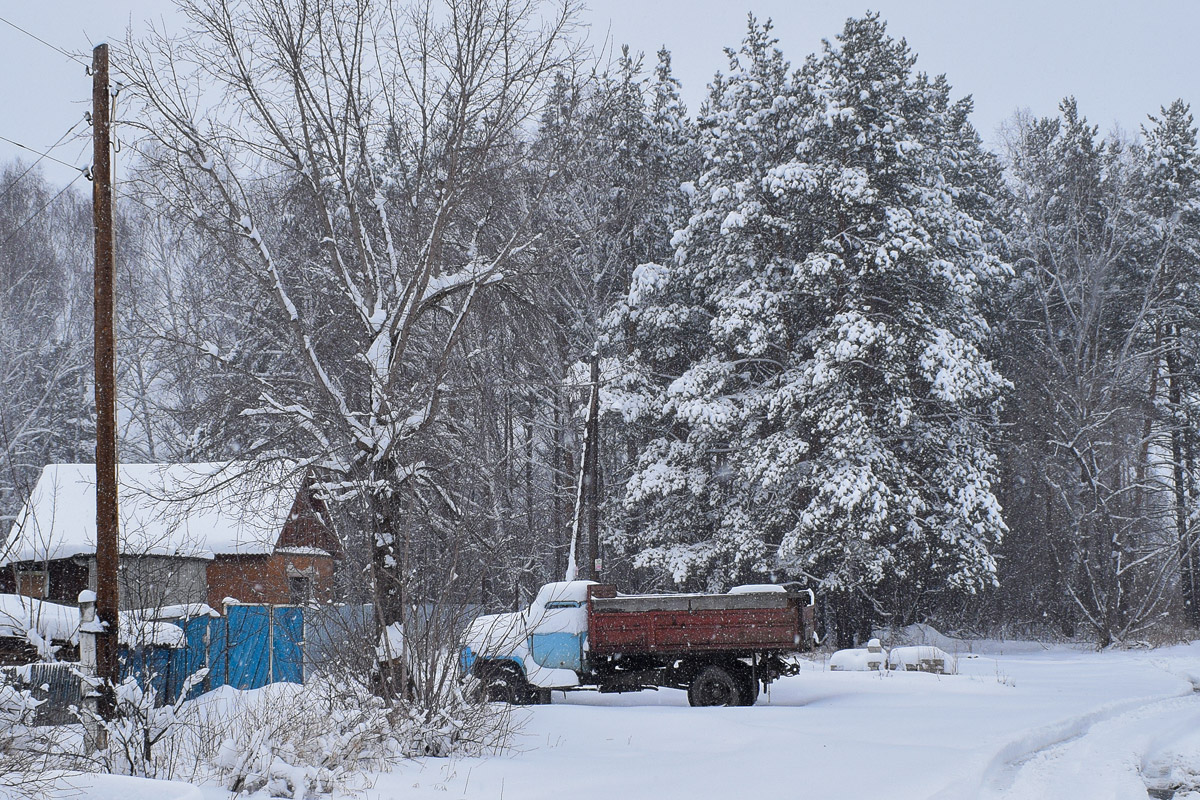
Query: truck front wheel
{"x": 714, "y": 686}
{"x": 503, "y": 684}
{"x": 502, "y": 687}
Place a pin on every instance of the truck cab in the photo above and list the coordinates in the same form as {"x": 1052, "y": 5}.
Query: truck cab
{"x": 543, "y": 646}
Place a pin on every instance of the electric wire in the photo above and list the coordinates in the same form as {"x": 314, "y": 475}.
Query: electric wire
{"x": 30, "y": 168}
{"x": 34, "y": 36}
{"x": 39, "y": 212}
{"x": 44, "y": 155}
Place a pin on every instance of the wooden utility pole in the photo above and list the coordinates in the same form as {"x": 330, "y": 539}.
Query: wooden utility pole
{"x": 107, "y": 607}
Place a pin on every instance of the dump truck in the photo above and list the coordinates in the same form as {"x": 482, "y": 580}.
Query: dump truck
{"x": 720, "y": 648}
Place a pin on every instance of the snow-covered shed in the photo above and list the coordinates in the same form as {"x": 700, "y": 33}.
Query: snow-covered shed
{"x": 189, "y": 533}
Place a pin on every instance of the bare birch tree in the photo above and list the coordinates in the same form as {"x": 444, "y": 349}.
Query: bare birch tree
{"x": 360, "y": 165}
{"x": 1084, "y": 355}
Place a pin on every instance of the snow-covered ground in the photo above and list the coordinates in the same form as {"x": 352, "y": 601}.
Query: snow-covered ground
{"x": 1019, "y": 721}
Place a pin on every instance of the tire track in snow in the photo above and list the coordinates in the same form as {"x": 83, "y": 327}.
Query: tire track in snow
{"x": 1003, "y": 769}
{"x": 1104, "y": 759}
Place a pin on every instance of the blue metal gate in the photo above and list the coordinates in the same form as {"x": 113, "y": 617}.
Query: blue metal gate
{"x": 251, "y": 646}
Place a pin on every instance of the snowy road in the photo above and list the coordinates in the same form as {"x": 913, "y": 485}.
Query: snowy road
{"x": 1020, "y": 722}
{"x": 1036, "y": 723}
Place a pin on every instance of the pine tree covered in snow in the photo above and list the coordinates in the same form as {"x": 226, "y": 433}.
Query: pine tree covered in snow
{"x": 813, "y": 357}
{"x": 620, "y": 140}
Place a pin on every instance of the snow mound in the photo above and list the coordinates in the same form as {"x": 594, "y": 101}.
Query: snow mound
{"x": 21, "y": 616}
{"x": 41, "y": 622}
{"x": 922, "y": 658}
{"x": 857, "y": 660}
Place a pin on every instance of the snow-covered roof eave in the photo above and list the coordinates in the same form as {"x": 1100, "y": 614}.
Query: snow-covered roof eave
{"x": 176, "y": 510}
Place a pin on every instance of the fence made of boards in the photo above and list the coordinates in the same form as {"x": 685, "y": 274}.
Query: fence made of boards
{"x": 249, "y": 647}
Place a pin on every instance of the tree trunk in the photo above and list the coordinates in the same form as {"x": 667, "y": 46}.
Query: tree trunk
{"x": 1187, "y": 558}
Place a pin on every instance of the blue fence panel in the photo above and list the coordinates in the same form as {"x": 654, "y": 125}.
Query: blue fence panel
{"x": 247, "y": 639}
{"x": 141, "y": 663}
{"x": 218, "y": 653}
{"x": 189, "y": 660}
{"x": 287, "y": 638}
{"x": 177, "y": 674}
{"x": 247, "y": 649}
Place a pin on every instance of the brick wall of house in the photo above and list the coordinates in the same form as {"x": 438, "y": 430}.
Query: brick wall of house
{"x": 269, "y": 578}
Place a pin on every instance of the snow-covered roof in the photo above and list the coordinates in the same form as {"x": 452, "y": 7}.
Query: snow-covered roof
{"x": 165, "y": 509}
{"x": 29, "y": 618}
{"x": 38, "y": 622}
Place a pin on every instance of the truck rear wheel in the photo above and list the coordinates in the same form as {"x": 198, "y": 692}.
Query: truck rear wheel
{"x": 747, "y": 684}
{"x": 714, "y": 686}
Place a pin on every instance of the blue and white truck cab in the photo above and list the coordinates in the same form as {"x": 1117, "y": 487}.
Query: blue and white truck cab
{"x": 521, "y": 655}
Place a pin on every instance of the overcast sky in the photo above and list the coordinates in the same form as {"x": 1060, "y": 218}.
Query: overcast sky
{"x": 1122, "y": 60}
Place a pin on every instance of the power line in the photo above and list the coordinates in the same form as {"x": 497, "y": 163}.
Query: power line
{"x": 29, "y": 169}
{"x": 42, "y": 155}
{"x": 37, "y": 213}
{"x": 35, "y": 37}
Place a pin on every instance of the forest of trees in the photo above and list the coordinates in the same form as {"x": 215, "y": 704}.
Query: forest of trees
{"x": 841, "y": 341}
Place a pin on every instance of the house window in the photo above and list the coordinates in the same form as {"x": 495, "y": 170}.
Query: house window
{"x": 300, "y": 589}
{"x": 33, "y": 583}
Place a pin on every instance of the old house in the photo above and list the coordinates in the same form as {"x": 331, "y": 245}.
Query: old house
{"x": 189, "y": 533}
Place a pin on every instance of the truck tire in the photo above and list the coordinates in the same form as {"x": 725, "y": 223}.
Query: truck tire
{"x": 504, "y": 684}
{"x": 501, "y": 688}
{"x": 714, "y": 686}
{"x": 747, "y": 685}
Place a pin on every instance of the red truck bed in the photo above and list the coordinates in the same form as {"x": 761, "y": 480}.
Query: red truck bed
{"x": 677, "y": 623}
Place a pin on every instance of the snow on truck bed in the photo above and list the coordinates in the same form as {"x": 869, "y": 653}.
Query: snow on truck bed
{"x": 690, "y": 602}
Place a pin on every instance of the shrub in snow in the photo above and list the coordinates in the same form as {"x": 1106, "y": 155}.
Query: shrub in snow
{"x": 295, "y": 741}
{"x": 923, "y": 658}
{"x": 143, "y": 738}
{"x": 16, "y": 713}
{"x": 27, "y": 754}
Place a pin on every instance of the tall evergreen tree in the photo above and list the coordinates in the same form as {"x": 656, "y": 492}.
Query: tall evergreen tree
{"x": 814, "y": 356}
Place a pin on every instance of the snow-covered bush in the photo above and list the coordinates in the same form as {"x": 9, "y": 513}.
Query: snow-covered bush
{"x": 26, "y": 753}
{"x": 145, "y": 736}
{"x": 296, "y": 741}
